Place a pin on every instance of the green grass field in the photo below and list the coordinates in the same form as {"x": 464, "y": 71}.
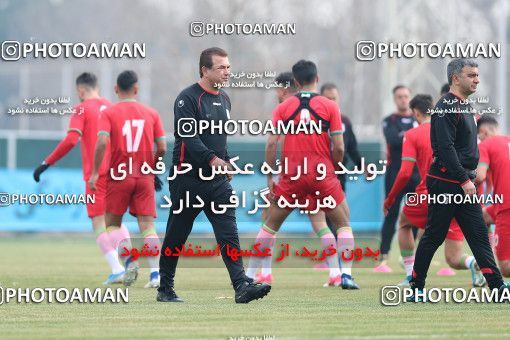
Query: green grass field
{"x": 297, "y": 307}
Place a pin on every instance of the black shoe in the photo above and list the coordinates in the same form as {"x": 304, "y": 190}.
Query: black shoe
{"x": 503, "y": 296}
{"x": 416, "y": 297}
{"x": 249, "y": 291}
{"x": 348, "y": 282}
{"x": 417, "y": 292}
{"x": 168, "y": 295}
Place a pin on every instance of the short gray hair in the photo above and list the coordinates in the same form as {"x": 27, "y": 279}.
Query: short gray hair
{"x": 456, "y": 65}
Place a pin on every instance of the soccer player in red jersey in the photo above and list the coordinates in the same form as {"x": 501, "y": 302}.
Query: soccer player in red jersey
{"x": 489, "y": 211}
{"x": 131, "y": 130}
{"x": 304, "y": 107}
{"x": 394, "y": 127}
{"x": 83, "y": 128}
{"x": 489, "y": 216}
{"x": 495, "y": 155}
{"x": 267, "y": 236}
{"x": 417, "y": 150}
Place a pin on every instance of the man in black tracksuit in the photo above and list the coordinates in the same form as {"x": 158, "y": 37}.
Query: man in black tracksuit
{"x": 351, "y": 149}
{"x": 453, "y": 136}
{"x": 394, "y": 127}
{"x": 330, "y": 91}
{"x": 203, "y": 101}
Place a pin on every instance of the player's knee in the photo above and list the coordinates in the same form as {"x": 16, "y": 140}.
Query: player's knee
{"x": 505, "y": 271}
{"x": 452, "y": 260}
{"x": 405, "y": 226}
{"x": 505, "y": 268}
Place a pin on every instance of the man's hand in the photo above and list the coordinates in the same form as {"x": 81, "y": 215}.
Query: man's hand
{"x": 39, "y": 170}
{"x": 270, "y": 185}
{"x": 469, "y": 188}
{"x": 158, "y": 185}
{"x": 92, "y": 181}
{"x": 387, "y": 205}
{"x": 218, "y": 162}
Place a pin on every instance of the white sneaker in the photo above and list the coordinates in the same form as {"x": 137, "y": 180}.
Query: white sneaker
{"x": 131, "y": 272}
{"x": 476, "y": 275}
{"x": 153, "y": 281}
{"x": 114, "y": 278}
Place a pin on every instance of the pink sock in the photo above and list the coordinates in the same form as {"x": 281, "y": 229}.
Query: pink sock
{"x": 328, "y": 241}
{"x": 152, "y": 241}
{"x": 153, "y": 244}
{"x": 120, "y": 237}
{"x": 104, "y": 243}
{"x": 345, "y": 244}
{"x": 266, "y": 240}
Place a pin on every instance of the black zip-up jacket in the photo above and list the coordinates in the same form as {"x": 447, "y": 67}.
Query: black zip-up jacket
{"x": 350, "y": 142}
{"x": 394, "y": 127}
{"x": 453, "y": 135}
{"x": 194, "y": 104}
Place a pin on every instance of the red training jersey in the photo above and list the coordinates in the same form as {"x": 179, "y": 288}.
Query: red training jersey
{"x": 495, "y": 154}
{"x": 416, "y": 147}
{"x": 133, "y": 128}
{"x": 85, "y": 120}
{"x": 315, "y": 147}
